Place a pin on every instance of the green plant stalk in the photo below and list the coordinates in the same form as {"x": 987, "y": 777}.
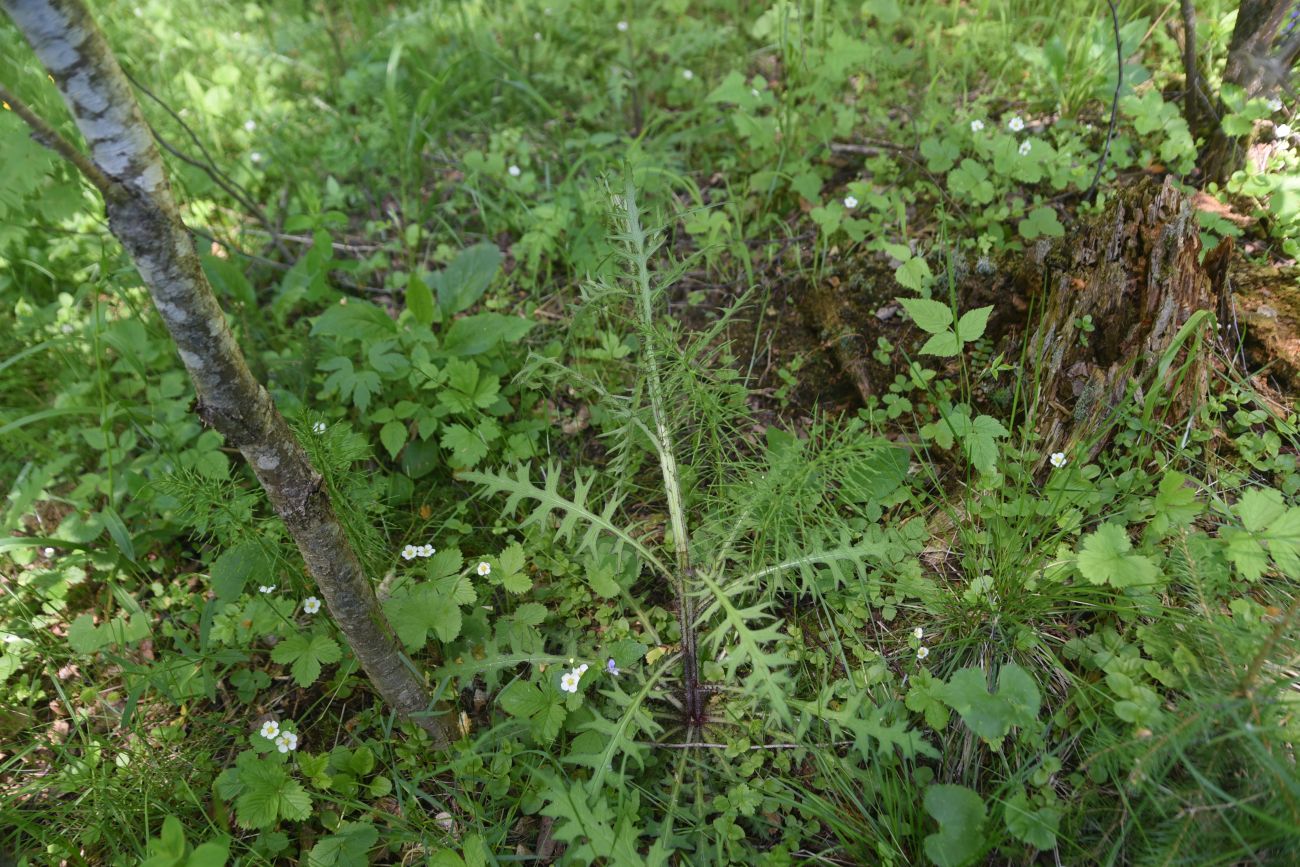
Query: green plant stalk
{"x": 639, "y": 248}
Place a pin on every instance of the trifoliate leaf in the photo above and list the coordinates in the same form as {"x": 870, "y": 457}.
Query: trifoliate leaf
{"x": 307, "y": 653}
{"x": 930, "y": 316}
{"x": 268, "y": 795}
{"x": 1104, "y": 558}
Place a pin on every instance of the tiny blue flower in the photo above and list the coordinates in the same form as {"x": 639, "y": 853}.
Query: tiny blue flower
{"x": 612, "y": 667}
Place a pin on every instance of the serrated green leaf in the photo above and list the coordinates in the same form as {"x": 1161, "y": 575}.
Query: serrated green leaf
{"x": 943, "y": 345}
{"x": 929, "y": 315}
{"x": 466, "y": 447}
{"x": 268, "y": 795}
{"x": 414, "y": 612}
{"x": 307, "y": 653}
{"x": 1105, "y": 558}
{"x": 972, "y": 324}
{"x": 393, "y": 436}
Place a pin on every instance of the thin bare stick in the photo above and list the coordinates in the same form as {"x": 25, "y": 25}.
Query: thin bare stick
{"x": 50, "y": 138}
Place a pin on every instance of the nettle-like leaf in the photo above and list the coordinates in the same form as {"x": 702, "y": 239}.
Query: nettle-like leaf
{"x": 1105, "y": 558}
{"x": 991, "y": 715}
{"x": 542, "y": 707}
{"x": 306, "y": 653}
{"x": 1269, "y": 527}
{"x": 961, "y": 815}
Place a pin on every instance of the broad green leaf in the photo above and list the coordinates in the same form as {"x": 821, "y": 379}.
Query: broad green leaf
{"x": 268, "y": 795}
{"x": 1175, "y": 504}
{"x": 307, "y": 653}
{"x": 414, "y": 612}
{"x": 1105, "y": 558}
{"x": 393, "y": 436}
{"x": 472, "y": 335}
{"x": 971, "y": 180}
{"x": 349, "y": 845}
{"x": 929, "y": 315}
{"x": 944, "y": 345}
{"x": 972, "y": 324}
{"x": 1041, "y": 221}
{"x": 465, "y": 445}
{"x": 914, "y": 274}
{"x": 991, "y": 715}
{"x": 543, "y": 708}
{"x": 238, "y": 565}
{"x": 1035, "y": 826}
{"x": 355, "y": 320}
{"x": 419, "y": 300}
{"x": 961, "y": 815}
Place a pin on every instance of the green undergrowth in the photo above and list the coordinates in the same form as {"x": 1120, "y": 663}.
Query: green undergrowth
{"x": 465, "y": 247}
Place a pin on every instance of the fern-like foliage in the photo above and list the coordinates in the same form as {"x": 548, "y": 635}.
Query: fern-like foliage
{"x": 574, "y": 510}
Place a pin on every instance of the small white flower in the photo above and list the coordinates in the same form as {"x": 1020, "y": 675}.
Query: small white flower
{"x": 250, "y": 125}
{"x": 256, "y": 157}
{"x": 850, "y": 202}
{"x": 917, "y": 633}
{"x": 270, "y": 729}
{"x": 1025, "y": 147}
{"x": 1275, "y": 104}
{"x": 976, "y": 125}
{"x": 427, "y": 550}
{"x": 1015, "y": 124}
{"x": 266, "y": 588}
{"x": 537, "y": 37}
{"x": 311, "y": 605}
{"x": 1058, "y": 459}
{"x": 687, "y": 74}
{"x": 286, "y": 742}
{"x": 484, "y": 568}
{"x": 569, "y": 680}
{"x": 514, "y": 171}
{"x": 1281, "y": 131}
{"x": 318, "y": 427}
{"x": 622, "y": 26}
{"x": 753, "y": 91}
{"x": 48, "y": 552}
{"x": 65, "y": 328}
{"x": 410, "y": 552}
{"x": 922, "y": 652}
{"x": 582, "y": 669}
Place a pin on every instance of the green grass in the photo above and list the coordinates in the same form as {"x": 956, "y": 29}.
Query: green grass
{"x": 1103, "y": 667}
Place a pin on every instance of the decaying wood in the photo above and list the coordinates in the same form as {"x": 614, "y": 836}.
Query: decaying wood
{"x": 143, "y": 215}
{"x": 1134, "y": 273}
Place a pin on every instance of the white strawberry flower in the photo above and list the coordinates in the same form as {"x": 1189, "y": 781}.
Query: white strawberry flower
{"x": 1015, "y": 124}
{"x": 318, "y": 427}
{"x": 266, "y": 588}
{"x": 286, "y": 742}
{"x": 514, "y": 171}
{"x": 569, "y": 680}
{"x": 1058, "y": 459}
{"x": 1025, "y": 147}
{"x": 976, "y": 125}
{"x": 917, "y": 633}
{"x": 484, "y": 568}
{"x": 1275, "y": 104}
{"x": 687, "y": 74}
{"x": 410, "y": 552}
{"x": 270, "y": 729}
{"x": 427, "y": 550}
{"x": 311, "y": 605}
{"x": 850, "y": 202}
{"x": 622, "y": 26}
{"x": 922, "y": 652}
{"x": 250, "y": 125}
{"x": 1281, "y": 131}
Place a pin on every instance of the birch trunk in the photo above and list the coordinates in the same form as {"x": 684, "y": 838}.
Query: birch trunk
{"x": 142, "y": 214}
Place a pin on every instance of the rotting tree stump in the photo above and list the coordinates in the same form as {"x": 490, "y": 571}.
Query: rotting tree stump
{"x": 1093, "y": 314}
{"x": 1114, "y": 296}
